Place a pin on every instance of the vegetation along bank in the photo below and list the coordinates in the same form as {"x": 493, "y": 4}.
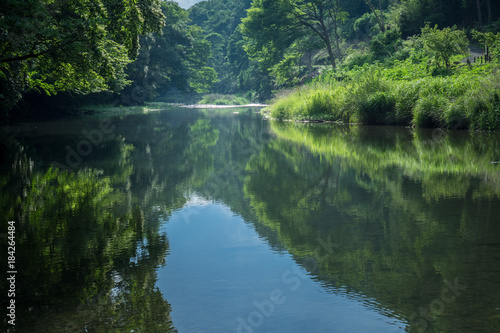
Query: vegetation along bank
{"x": 436, "y": 77}
{"x": 416, "y": 63}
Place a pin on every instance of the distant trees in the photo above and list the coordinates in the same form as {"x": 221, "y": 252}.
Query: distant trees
{"x": 272, "y": 26}
{"x": 480, "y": 11}
{"x": 220, "y": 20}
{"x": 175, "y": 59}
{"x": 411, "y": 15}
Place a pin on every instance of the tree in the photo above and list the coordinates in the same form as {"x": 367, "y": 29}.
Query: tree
{"x": 70, "y": 45}
{"x": 220, "y": 21}
{"x": 443, "y": 44}
{"x": 272, "y": 26}
{"x": 176, "y": 59}
{"x": 479, "y": 13}
{"x": 378, "y": 16}
{"x": 490, "y": 40}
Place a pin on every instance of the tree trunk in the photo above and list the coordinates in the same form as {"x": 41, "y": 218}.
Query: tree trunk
{"x": 334, "y": 17}
{"x": 479, "y": 13}
{"x": 326, "y": 36}
{"x": 331, "y": 55}
{"x": 489, "y": 11}
{"x": 379, "y": 18}
{"x": 381, "y": 14}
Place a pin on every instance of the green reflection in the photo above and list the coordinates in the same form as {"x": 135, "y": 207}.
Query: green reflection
{"x": 391, "y": 214}
{"x": 85, "y": 258}
{"x": 395, "y": 215}
{"x": 88, "y": 239}
{"x": 422, "y": 155}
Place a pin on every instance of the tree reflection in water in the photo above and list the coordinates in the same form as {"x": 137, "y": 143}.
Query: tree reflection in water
{"x": 409, "y": 213}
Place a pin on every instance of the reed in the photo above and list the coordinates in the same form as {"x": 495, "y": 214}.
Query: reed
{"x": 469, "y": 99}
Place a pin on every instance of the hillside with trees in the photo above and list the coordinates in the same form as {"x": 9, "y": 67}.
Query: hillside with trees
{"x": 99, "y": 52}
{"x": 129, "y": 54}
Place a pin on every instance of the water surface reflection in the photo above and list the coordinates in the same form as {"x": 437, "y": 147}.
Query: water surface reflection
{"x": 216, "y": 221}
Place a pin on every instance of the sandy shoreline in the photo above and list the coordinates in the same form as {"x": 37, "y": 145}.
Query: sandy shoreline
{"x": 213, "y": 106}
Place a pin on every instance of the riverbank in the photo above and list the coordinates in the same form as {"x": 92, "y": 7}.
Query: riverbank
{"x": 405, "y": 94}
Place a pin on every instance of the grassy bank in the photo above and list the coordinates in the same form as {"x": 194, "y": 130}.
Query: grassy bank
{"x": 404, "y": 94}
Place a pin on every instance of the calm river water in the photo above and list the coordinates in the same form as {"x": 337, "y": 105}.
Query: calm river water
{"x": 211, "y": 220}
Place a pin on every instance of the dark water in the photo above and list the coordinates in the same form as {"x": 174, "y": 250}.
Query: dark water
{"x": 219, "y": 221}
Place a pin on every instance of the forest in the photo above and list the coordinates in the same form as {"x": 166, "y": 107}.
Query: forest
{"x": 403, "y": 62}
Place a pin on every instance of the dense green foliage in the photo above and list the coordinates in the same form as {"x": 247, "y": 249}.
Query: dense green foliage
{"x": 377, "y": 77}
{"x": 414, "y": 82}
{"x": 176, "y": 59}
{"x": 135, "y": 49}
{"x": 441, "y": 45}
{"x": 79, "y": 46}
{"x": 406, "y": 94}
{"x": 131, "y": 53}
{"x": 220, "y": 21}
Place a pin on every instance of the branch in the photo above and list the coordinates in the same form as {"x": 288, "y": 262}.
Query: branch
{"x": 36, "y": 54}
{"x": 379, "y": 18}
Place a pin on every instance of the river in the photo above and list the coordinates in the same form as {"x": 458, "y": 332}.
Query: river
{"x": 218, "y": 220}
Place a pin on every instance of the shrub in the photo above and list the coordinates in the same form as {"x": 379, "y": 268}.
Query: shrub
{"x": 483, "y": 112}
{"x": 373, "y": 94}
{"x": 455, "y": 115}
{"x": 375, "y": 109}
{"x": 406, "y": 96}
{"x": 357, "y": 58}
{"x": 428, "y": 111}
{"x": 385, "y": 43}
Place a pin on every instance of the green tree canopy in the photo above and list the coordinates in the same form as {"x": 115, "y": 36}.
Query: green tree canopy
{"x": 176, "y": 59}
{"x": 272, "y": 26}
{"x": 445, "y": 43}
{"x": 70, "y": 45}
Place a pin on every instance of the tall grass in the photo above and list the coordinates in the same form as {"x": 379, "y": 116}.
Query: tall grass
{"x": 466, "y": 100}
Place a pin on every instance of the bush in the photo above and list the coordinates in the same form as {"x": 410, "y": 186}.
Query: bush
{"x": 406, "y": 96}
{"x": 385, "y": 44}
{"x": 428, "y": 111}
{"x": 455, "y": 116}
{"x": 372, "y": 94}
{"x": 357, "y": 58}
{"x": 484, "y": 112}
{"x": 376, "y": 109}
